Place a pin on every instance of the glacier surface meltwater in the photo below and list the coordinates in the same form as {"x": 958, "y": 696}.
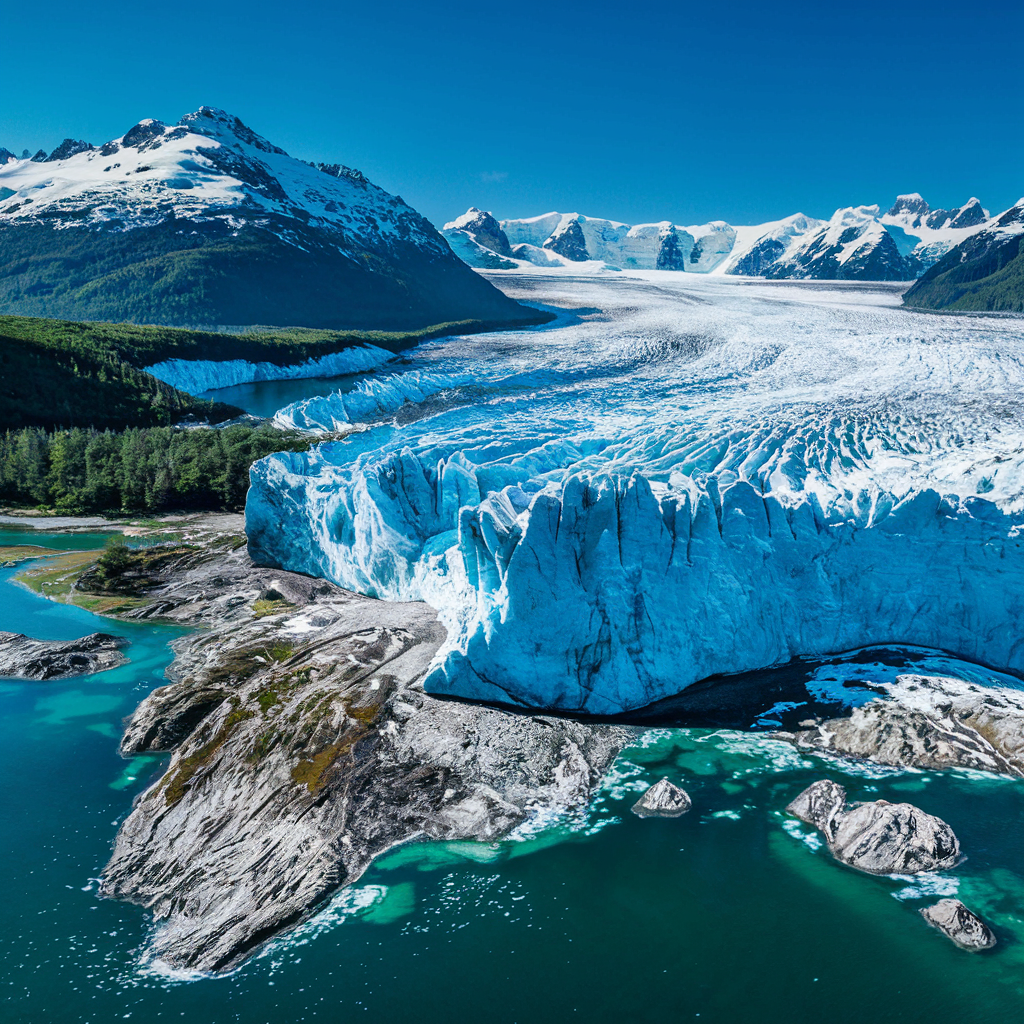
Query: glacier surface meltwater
{"x": 673, "y": 480}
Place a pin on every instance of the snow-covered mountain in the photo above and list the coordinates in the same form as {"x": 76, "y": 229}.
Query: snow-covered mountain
{"x": 206, "y": 222}
{"x": 983, "y": 272}
{"x": 856, "y": 243}
{"x": 930, "y": 234}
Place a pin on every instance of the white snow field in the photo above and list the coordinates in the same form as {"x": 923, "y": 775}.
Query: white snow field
{"x": 686, "y": 476}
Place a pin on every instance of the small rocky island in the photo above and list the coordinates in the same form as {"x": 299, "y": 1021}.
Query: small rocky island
{"x": 25, "y": 658}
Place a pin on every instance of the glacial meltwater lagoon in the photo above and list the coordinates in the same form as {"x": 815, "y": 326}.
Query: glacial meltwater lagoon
{"x": 734, "y": 912}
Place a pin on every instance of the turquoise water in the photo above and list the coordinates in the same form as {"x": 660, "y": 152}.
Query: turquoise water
{"x": 728, "y": 914}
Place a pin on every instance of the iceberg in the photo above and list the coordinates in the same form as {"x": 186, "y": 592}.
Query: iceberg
{"x": 688, "y": 480}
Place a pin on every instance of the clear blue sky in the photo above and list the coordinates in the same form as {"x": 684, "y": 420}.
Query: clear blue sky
{"x": 745, "y": 111}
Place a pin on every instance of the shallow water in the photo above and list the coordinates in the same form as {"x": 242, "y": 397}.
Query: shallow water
{"x": 731, "y": 913}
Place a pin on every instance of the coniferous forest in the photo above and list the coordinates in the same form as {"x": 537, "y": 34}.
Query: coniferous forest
{"x": 150, "y": 469}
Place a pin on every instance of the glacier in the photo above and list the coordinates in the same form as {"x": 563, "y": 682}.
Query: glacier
{"x": 676, "y": 479}
{"x": 198, "y": 375}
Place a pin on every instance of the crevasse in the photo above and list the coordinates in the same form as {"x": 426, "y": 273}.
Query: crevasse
{"x": 611, "y": 511}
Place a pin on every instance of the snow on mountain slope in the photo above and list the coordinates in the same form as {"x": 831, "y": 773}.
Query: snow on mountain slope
{"x": 856, "y": 243}
{"x": 758, "y": 247}
{"x": 207, "y": 166}
{"x": 703, "y": 478}
{"x": 853, "y": 245}
{"x": 241, "y": 232}
{"x": 934, "y": 232}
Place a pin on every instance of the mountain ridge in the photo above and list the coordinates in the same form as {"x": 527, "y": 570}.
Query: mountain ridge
{"x": 856, "y": 243}
{"x": 207, "y": 223}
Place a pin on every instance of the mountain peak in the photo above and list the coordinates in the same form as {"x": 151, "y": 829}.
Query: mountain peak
{"x": 215, "y": 123}
{"x": 912, "y": 203}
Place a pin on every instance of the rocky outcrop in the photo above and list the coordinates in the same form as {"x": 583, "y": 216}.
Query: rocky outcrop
{"x": 483, "y": 228}
{"x": 25, "y": 658}
{"x": 662, "y": 800}
{"x": 820, "y": 804}
{"x": 877, "y": 837}
{"x": 69, "y": 148}
{"x": 884, "y": 839}
{"x": 567, "y": 240}
{"x": 958, "y": 923}
{"x": 304, "y": 746}
{"x": 929, "y": 722}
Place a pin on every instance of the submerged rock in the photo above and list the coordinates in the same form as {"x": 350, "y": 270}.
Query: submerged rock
{"x": 878, "y": 837}
{"x": 304, "y": 746}
{"x": 662, "y": 800}
{"x": 25, "y": 658}
{"x": 958, "y": 923}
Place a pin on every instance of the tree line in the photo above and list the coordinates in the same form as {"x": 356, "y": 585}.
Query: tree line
{"x": 149, "y": 469}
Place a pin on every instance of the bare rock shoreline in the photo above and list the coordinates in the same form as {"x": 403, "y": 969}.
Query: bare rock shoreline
{"x": 303, "y": 746}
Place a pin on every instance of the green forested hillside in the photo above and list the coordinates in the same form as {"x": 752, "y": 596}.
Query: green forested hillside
{"x": 60, "y": 373}
{"x": 193, "y": 274}
{"x": 957, "y": 289}
{"x": 137, "y": 470}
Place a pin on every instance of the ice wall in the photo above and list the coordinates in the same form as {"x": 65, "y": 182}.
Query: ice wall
{"x": 198, "y": 375}
{"x": 606, "y": 594}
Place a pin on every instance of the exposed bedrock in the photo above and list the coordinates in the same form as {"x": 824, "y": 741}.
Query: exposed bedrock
{"x": 303, "y": 747}
{"x": 959, "y": 924}
{"x": 603, "y": 594}
{"x": 663, "y": 800}
{"x": 25, "y": 658}
{"x": 877, "y": 837}
{"x": 929, "y": 722}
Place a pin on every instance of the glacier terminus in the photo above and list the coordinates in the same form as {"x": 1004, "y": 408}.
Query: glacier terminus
{"x": 679, "y": 477}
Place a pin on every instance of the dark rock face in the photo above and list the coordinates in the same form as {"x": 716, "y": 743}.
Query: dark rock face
{"x": 25, "y": 658}
{"x": 143, "y": 132}
{"x": 662, "y": 800}
{"x": 756, "y": 262}
{"x": 914, "y": 205}
{"x": 68, "y": 148}
{"x": 568, "y": 241}
{"x": 304, "y": 746}
{"x": 670, "y": 253}
{"x": 6, "y": 156}
{"x": 485, "y": 230}
{"x": 958, "y": 923}
{"x": 877, "y": 837}
{"x": 968, "y": 215}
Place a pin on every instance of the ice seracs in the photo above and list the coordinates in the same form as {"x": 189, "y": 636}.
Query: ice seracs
{"x": 702, "y": 479}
